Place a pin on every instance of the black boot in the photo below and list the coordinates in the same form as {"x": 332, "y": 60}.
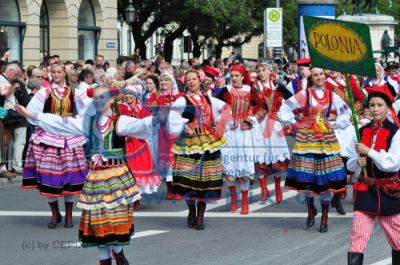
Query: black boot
{"x": 201, "y": 207}
{"x": 120, "y": 258}
{"x": 68, "y": 214}
{"x": 55, "y": 215}
{"x": 324, "y": 218}
{"x": 191, "y": 219}
{"x": 105, "y": 261}
{"x": 336, "y": 203}
{"x": 354, "y": 258}
{"x": 312, "y": 212}
{"x": 395, "y": 257}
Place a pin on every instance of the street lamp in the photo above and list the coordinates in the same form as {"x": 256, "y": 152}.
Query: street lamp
{"x": 130, "y": 12}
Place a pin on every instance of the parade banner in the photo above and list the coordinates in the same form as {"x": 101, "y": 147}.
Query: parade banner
{"x": 340, "y": 46}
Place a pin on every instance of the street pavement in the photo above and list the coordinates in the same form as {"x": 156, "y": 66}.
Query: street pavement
{"x": 271, "y": 234}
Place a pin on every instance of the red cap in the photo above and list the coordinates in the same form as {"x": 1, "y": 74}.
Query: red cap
{"x": 211, "y": 71}
{"x": 380, "y": 91}
{"x": 303, "y": 62}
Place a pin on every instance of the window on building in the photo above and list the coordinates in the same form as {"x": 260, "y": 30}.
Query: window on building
{"x": 44, "y": 31}
{"x": 210, "y": 50}
{"x": 261, "y": 50}
{"x": 88, "y": 33}
{"x": 238, "y": 52}
{"x": 11, "y": 29}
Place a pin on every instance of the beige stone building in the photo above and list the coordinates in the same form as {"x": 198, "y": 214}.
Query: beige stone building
{"x": 73, "y": 29}
{"x": 250, "y": 50}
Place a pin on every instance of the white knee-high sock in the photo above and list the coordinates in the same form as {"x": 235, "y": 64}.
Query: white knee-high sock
{"x": 244, "y": 185}
{"x": 230, "y": 183}
{"x": 104, "y": 253}
{"x": 117, "y": 249}
{"x": 52, "y": 199}
{"x": 69, "y": 198}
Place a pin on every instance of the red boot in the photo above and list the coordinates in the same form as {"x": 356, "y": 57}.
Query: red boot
{"x": 170, "y": 195}
{"x": 264, "y": 188}
{"x": 278, "y": 189}
{"x": 136, "y": 205}
{"x": 105, "y": 261}
{"x": 245, "y": 202}
{"x": 233, "y": 205}
{"x": 178, "y": 197}
{"x": 120, "y": 258}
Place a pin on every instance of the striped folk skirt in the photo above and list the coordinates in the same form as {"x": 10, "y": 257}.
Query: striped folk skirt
{"x": 316, "y": 142}
{"x": 54, "y": 171}
{"x": 316, "y": 173}
{"x": 198, "y": 176}
{"x": 107, "y": 202}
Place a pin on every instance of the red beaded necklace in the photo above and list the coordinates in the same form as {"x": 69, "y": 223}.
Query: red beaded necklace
{"x": 58, "y": 92}
{"x": 106, "y": 127}
{"x": 324, "y": 100}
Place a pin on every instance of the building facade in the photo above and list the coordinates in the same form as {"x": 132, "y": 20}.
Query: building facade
{"x": 73, "y": 29}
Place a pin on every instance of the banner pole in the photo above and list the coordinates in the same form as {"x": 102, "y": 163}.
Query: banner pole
{"x": 355, "y": 122}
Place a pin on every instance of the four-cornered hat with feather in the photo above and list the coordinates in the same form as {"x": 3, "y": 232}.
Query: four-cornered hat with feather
{"x": 304, "y": 62}
{"x": 208, "y": 70}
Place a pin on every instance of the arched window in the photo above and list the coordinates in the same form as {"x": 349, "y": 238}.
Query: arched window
{"x": 237, "y": 50}
{"x": 88, "y": 33}
{"x": 11, "y": 29}
{"x": 44, "y": 31}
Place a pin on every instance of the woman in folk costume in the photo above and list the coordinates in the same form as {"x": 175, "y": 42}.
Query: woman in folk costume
{"x": 238, "y": 155}
{"x": 162, "y": 140}
{"x": 110, "y": 190}
{"x": 137, "y": 150}
{"x": 316, "y": 167}
{"x": 378, "y": 193}
{"x": 197, "y": 166}
{"x": 56, "y": 164}
{"x": 270, "y": 147}
{"x": 380, "y": 81}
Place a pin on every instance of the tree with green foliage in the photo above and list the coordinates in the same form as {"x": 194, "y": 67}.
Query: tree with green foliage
{"x": 226, "y": 23}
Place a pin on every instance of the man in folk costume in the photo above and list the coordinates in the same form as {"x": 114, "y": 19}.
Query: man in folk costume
{"x": 377, "y": 193}
{"x": 392, "y": 77}
{"x": 301, "y": 82}
{"x": 211, "y": 88}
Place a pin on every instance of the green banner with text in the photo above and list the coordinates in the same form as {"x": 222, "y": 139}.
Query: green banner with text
{"x": 339, "y": 46}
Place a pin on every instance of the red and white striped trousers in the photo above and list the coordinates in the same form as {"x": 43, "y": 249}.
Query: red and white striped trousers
{"x": 363, "y": 224}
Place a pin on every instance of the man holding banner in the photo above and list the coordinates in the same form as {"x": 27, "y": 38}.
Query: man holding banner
{"x": 346, "y": 47}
